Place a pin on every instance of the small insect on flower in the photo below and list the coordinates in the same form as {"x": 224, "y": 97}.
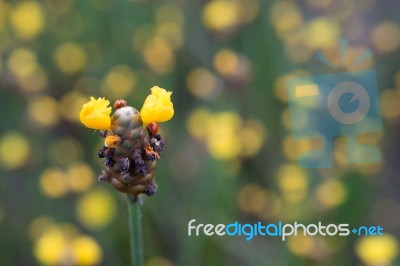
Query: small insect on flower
{"x": 112, "y": 141}
{"x": 119, "y": 104}
{"x": 153, "y": 128}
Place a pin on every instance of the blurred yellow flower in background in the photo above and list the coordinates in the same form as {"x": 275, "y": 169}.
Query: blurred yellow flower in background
{"x": 158, "y": 55}
{"x": 86, "y": 251}
{"x": 322, "y": 32}
{"x": 14, "y": 150}
{"x": 119, "y": 82}
{"x": 225, "y": 134}
{"x": 56, "y": 182}
{"x": 253, "y": 136}
{"x": 286, "y": 17}
{"x": 22, "y": 62}
{"x": 221, "y": 15}
{"x": 96, "y": 114}
{"x": 70, "y": 58}
{"x": 43, "y": 110}
{"x": 226, "y": 62}
{"x": 96, "y": 209}
{"x": 80, "y": 177}
{"x": 196, "y": 119}
{"x": 385, "y": 37}
{"x": 157, "y": 106}
{"x": 27, "y": 19}
{"x": 331, "y": 193}
{"x": 62, "y": 244}
{"x": 24, "y": 65}
{"x": 226, "y": 15}
{"x": 172, "y": 32}
{"x": 222, "y": 135}
{"x": 390, "y": 107}
{"x": 53, "y": 183}
{"x": 377, "y": 250}
{"x": 51, "y": 246}
{"x": 202, "y": 83}
{"x": 293, "y": 182}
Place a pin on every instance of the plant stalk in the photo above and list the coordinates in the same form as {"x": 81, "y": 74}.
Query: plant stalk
{"x": 135, "y": 233}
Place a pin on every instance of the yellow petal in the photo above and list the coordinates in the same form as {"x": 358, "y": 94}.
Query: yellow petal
{"x": 157, "y": 107}
{"x": 96, "y": 114}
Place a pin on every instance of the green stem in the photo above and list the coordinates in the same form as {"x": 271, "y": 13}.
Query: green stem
{"x": 135, "y": 235}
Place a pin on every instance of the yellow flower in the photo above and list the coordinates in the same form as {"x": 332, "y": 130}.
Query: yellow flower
{"x": 157, "y": 107}
{"x": 96, "y": 114}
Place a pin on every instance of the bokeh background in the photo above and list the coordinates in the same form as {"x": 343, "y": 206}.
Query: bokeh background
{"x": 229, "y": 153}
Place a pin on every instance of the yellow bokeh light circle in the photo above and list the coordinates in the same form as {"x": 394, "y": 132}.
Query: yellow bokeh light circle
{"x": 226, "y": 62}
{"x": 390, "y": 107}
{"x": 27, "y": 19}
{"x": 22, "y": 62}
{"x": 80, "y": 177}
{"x": 63, "y": 244}
{"x": 57, "y": 182}
{"x": 377, "y": 250}
{"x": 119, "y": 82}
{"x": 196, "y": 121}
{"x": 222, "y": 141}
{"x": 253, "y": 136}
{"x": 172, "y": 33}
{"x": 14, "y": 150}
{"x": 43, "y": 110}
{"x": 70, "y": 58}
{"x": 86, "y": 251}
{"x": 50, "y": 247}
{"x": 285, "y": 16}
{"x": 322, "y": 32}
{"x": 385, "y": 37}
{"x": 53, "y": 183}
{"x": 96, "y": 209}
{"x": 158, "y": 55}
{"x": 202, "y": 83}
{"x": 331, "y": 193}
{"x": 220, "y": 15}
{"x": 293, "y": 182}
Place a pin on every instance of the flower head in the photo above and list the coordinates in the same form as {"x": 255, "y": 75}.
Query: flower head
{"x": 157, "y": 107}
{"x": 96, "y": 114}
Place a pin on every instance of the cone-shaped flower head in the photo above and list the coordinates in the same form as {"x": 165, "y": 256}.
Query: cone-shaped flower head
{"x": 96, "y": 114}
{"x": 157, "y": 107}
{"x": 130, "y": 149}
